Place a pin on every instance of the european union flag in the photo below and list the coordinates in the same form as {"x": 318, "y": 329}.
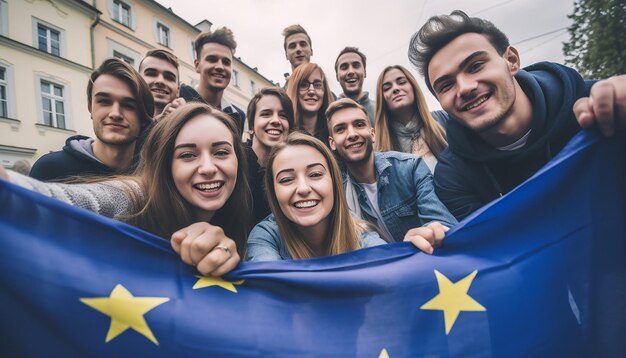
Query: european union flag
{"x": 541, "y": 272}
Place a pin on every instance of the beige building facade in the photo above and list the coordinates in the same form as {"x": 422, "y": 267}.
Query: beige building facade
{"x": 49, "y": 48}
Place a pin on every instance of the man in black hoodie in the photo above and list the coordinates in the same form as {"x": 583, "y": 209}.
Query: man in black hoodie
{"x": 508, "y": 122}
{"x": 214, "y": 63}
{"x": 121, "y": 108}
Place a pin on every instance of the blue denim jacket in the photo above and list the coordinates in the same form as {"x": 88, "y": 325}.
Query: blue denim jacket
{"x": 406, "y": 195}
{"x": 266, "y": 244}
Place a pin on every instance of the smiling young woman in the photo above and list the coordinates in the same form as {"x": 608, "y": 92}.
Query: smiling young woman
{"x": 403, "y": 121}
{"x": 270, "y": 120}
{"x": 192, "y": 169}
{"x": 311, "y": 95}
{"x": 311, "y": 217}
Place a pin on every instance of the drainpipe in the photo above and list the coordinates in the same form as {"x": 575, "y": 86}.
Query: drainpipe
{"x": 91, "y": 31}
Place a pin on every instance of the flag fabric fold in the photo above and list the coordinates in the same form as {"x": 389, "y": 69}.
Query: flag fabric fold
{"x": 540, "y": 272}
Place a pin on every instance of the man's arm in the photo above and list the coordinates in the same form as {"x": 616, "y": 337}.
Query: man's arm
{"x": 453, "y": 188}
{"x": 605, "y": 106}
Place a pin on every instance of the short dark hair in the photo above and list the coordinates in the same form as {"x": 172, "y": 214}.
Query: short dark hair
{"x": 292, "y": 30}
{"x": 223, "y": 36}
{"x": 343, "y": 103}
{"x": 440, "y": 30}
{"x": 127, "y": 74}
{"x": 162, "y": 55}
{"x": 285, "y": 101}
{"x": 349, "y": 49}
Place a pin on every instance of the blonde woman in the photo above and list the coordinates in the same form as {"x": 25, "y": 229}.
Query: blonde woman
{"x": 403, "y": 121}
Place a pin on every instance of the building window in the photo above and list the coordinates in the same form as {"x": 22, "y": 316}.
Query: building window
{"x": 253, "y": 87}
{"x": 126, "y": 54}
{"x": 53, "y": 104}
{"x": 163, "y": 35}
{"x": 192, "y": 50}
{"x": 4, "y": 98}
{"x": 236, "y": 78}
{"x": 121, "y": 12}
{"x": 48, "y": 39}
{"x": 129, "y": 60}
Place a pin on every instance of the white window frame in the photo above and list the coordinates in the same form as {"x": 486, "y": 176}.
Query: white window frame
{"x": 122, "y": 56}
{"x": 114, "y": 12}
{"x": 236, "y": 78}
{"x": 192, "y": 49}
{"x": 9, "y": 83}
{"x": 156, "y": 31}
{"x": 38, "y": 22}
{"x": 253, "y": 88}
{"x": 4, "y": 18}
{"x": 54, "y": 99}
{"x": 113, "y": 47}
{"x": 164, "y": 35}
{"x": 119, "y": 9}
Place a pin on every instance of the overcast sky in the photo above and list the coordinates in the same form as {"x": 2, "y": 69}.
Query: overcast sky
{"x": 381, "y": 29}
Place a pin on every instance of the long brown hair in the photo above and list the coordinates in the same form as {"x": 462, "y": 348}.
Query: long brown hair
{"x": 343, "y": 232}
{"x": 300, "y": 74}
{"x": 434, "y": 135}
{"x": 161, "y": 208}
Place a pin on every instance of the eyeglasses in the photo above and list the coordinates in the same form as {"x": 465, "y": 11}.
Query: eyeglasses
{"x": 305, "y": 85}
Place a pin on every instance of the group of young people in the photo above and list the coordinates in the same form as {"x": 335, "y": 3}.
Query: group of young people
{"x": 321, "y": 176}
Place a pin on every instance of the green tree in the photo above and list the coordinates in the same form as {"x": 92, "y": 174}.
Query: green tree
{"x": 597, "y": 45}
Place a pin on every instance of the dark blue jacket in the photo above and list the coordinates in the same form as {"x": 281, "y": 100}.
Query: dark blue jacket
{"x": 470, "y": 172}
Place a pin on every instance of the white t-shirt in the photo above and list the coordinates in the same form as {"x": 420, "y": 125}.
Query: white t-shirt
{"x": 371, "y": 191}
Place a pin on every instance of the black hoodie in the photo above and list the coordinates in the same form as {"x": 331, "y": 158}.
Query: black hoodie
{"x": 470, "y": 172}
{"x": 72, "y": 161}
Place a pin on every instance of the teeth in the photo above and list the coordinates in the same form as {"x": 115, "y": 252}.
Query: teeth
{"x": 209, "y": 186}
{"x": 356, "y": 145}
{"x": 476, "y": 103}
{"x": 274, "y": 132}
{"x": 306, "y": 204}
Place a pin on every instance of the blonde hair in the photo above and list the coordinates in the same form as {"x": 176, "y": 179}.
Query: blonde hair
{"x": 343, "y": 232}
{"x": 434, "y": 135}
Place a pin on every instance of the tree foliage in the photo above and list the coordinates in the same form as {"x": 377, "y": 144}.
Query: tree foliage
{"x": 597, "y": 45}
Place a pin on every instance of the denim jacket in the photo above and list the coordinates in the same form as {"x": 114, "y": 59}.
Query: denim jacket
{"x": 266, "y": 244}
{"x": 406, "y": 195}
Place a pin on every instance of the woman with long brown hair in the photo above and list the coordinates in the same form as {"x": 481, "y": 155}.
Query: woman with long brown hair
{"x": 270, "y": 120}
{"x": 311, "y": 95}
{"x": 403, "y": 121}
{"x": 192, "y": 169}
{"x": 311, "y": 216}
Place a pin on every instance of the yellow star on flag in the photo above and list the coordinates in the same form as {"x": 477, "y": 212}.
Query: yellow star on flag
{"x": 383, "y": 354}
{"x": 453, "y": 298}
{"x": 205, "y": 281}
{"x": 126, "y": 311}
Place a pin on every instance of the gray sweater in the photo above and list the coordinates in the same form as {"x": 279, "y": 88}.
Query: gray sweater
{"x": 110, "y": 198}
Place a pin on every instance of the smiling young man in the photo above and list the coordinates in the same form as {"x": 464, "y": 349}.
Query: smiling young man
{"x": 121, "y": 107}
{"x": 298, "y": 49}
{"x": 392, "y": 190}
{"x": 509, "y": 121}
{"x": 351, "y": 72}
{"x": 214, "y": 62}
{"x": 159, "y": 68}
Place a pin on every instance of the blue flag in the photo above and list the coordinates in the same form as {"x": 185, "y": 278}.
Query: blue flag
{"x": 540, "y": 272}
